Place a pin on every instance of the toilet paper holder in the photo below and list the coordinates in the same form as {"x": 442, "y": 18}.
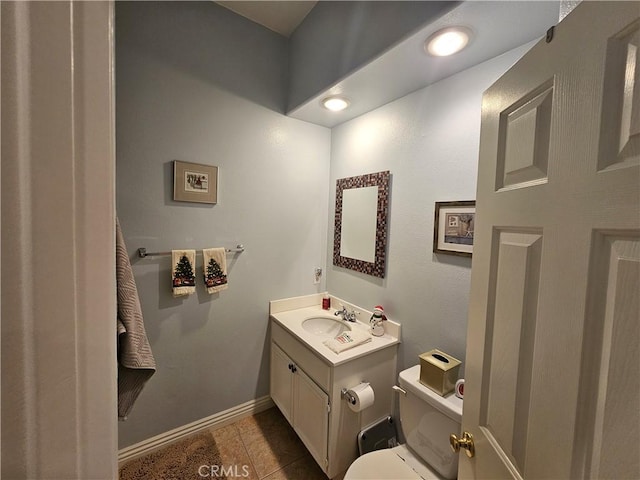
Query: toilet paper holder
{"x": 344, "y": 393}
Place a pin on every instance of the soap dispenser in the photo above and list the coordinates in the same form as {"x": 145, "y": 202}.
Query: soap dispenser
{"x": 377, "y": 329}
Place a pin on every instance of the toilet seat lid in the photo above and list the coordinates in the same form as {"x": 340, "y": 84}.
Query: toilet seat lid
{"x": 381, "y": 465}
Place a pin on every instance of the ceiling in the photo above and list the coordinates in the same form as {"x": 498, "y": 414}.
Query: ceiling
{"x": 498, "y": 26}
{"x": 282, "y": 17}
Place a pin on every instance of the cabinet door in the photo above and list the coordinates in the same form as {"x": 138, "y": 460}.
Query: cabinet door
{"x": 311, "y": 419}
{"x": 281, "y": 381}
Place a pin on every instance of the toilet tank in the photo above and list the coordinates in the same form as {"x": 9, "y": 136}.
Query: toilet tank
{"x": 427, "y": 420}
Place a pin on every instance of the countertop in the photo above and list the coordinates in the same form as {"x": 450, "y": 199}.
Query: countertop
{"x": 291, "y": 320}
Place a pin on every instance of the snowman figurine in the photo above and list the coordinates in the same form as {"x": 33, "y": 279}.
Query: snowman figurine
{"x": 377, "y": 329}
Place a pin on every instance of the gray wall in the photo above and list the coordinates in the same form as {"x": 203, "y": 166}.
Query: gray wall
{"x": 211, "y": 43}
{"x": 429, "y": 141}
{"x": 336, "y": 38}
{"x": 197, "y": 83}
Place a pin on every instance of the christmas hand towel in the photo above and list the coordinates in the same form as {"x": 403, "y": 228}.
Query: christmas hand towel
{"x": 215, "y": 269}
{"x": 347, "y": 340}
{"x": 182, "y": 272}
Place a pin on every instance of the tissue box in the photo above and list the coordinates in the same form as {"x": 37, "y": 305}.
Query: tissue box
{"x": 439, "y": 371}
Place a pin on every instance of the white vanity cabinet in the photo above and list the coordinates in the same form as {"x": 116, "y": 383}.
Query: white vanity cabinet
{"x": 303, "y": 403}
{"x": 305, "y": 385}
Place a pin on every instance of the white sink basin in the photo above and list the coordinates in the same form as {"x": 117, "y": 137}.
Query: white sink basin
{"x": 325, "y": 326}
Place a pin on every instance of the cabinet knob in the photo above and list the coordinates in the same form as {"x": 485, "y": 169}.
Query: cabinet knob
{"x": 294, "y": 369}
{"x": 291, "y": 366}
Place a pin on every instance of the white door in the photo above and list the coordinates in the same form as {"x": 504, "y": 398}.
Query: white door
{"x": 59, "y": 370}
{"x": 553, "y": 381}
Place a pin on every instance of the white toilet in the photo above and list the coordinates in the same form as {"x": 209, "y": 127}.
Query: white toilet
{"x": 427, "y": 419}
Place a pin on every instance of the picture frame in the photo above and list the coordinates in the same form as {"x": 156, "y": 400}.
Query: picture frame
{"x": 453, "y": 227}
{"x": 195, "y": 182}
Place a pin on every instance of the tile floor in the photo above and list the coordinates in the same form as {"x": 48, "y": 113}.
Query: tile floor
{"x": 266, "y": 447}
{"x": 268, "y": 444}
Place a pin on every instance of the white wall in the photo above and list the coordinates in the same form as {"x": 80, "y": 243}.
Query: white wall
{"x": 429, "y": 141}
{"x": 212, "y": 350}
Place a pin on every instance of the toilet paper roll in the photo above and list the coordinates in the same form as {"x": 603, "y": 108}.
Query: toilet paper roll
{"x": 360, "y": 397}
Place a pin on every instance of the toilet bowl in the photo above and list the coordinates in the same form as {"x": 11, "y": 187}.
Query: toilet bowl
{"x": 426, "y": 419}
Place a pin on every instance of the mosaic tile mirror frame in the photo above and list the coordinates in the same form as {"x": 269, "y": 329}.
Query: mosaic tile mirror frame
{"x": 359, "y": 224}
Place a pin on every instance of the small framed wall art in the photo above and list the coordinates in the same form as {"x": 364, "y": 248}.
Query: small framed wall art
{"x": 194, "y": 182}
{"x": 453, "y": 227}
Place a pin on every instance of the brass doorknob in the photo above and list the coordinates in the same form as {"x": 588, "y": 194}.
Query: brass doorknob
{"x": 466, "y": 443}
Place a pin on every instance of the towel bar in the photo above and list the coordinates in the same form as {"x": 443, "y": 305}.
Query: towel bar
{"x": 142, "y": 252}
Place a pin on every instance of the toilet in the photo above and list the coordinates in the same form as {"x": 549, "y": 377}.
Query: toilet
{"x": 427, "y": 419}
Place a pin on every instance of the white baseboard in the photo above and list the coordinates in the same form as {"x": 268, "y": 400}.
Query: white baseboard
{"x": 217, "y": 420}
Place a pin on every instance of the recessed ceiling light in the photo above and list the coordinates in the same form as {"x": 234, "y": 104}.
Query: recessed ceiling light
{"x": 335, "y": 103}
{"x": 447, "y": 41}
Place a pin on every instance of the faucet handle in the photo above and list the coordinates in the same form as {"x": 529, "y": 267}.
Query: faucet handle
{"x": 351, "y": 316}
{"x": 346, "y": 315}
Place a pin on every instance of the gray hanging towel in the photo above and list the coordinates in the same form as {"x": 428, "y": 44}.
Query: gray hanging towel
{"x": 135, "y": 360}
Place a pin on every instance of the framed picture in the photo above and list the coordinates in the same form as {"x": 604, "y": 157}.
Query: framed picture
{"x": 193, "y": 182}
{"x": 453, "y": 227}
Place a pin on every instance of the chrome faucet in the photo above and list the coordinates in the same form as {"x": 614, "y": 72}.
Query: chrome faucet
{"x": 346, "y": 316}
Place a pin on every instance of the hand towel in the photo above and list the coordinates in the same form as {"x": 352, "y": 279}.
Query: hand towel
{"x": 182, "y": 272}
{"x": 347, "y": 340}
{"x": 135, "y": 360}
{"x": 215, "y": 269}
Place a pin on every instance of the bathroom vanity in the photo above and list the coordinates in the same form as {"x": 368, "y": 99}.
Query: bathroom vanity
{"x": 307, "y": 377}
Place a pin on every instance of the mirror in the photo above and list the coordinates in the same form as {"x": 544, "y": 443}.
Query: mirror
{"x": 360, "y": 232}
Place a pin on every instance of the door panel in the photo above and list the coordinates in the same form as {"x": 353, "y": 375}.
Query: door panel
{"x": 618, "y": 399}
{"x": 281, "y": 381}
{"x": 612, "y": 369}
{"x": 621, "y": 105}
{"x": 311, "y": 404}
{"x": 553, "y": 332}
{"x": 524, "y": 140}
{"x": 506, "y": 409}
